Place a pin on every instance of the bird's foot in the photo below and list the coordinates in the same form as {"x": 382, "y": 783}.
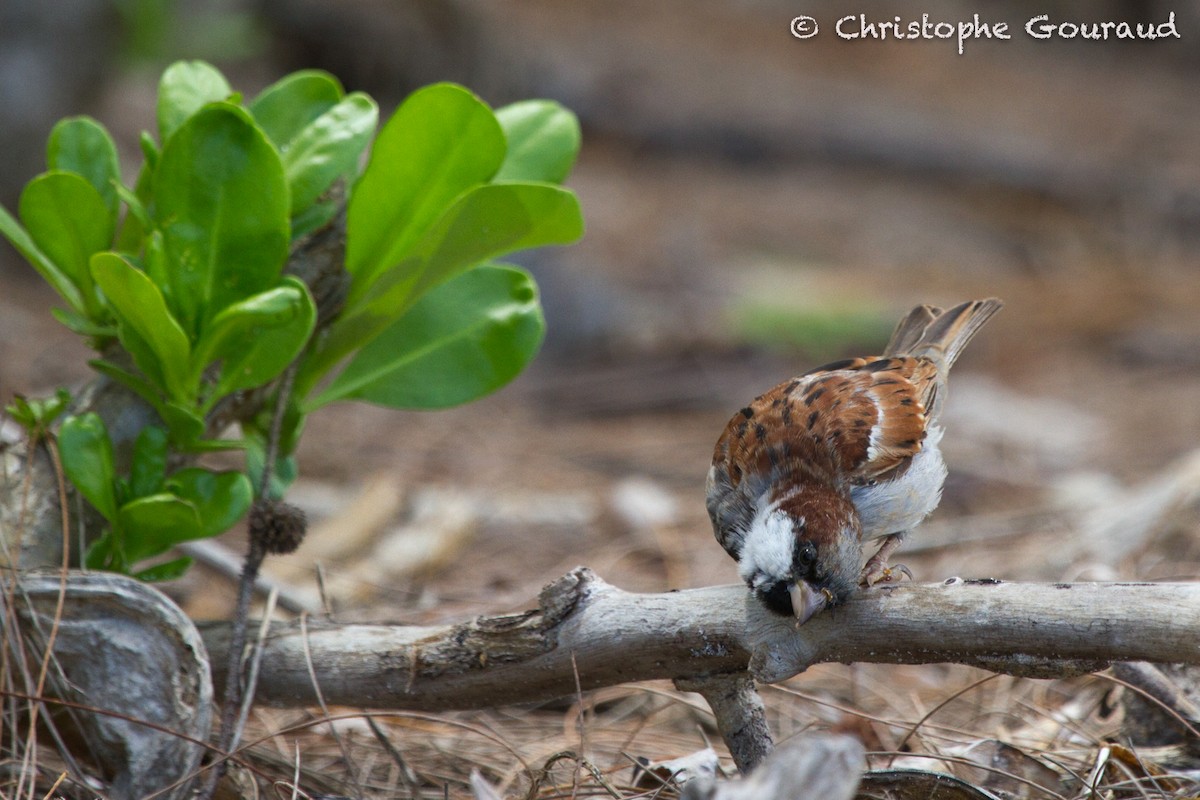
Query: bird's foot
{"x": 879, "y": 572}
{"x": 876, "y": 570}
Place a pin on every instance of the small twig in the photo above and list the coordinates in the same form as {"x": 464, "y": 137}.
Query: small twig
{"x": 232, "y": 699}
{"x": 48, "y": 651}
{"x": 582, "y": 729}
{"x": 1150, "y": 682}
{"x": 252, "y": 675}
{"x": 296, "y": 774}
{"x": 407, "y": 776}
{"x": 919, "y": 723}
{"x": 221, "y": 559}
{"x": 312, "y": 673}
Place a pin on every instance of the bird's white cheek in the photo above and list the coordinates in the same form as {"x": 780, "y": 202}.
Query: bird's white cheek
{"x": 768, "y": 549}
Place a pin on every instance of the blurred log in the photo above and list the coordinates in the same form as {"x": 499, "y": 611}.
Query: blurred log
{"x": 607, "y": 636}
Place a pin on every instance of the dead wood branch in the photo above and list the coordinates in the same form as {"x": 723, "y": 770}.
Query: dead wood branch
{"x": 619, "y": 637}
{"x": 741, "y": 716}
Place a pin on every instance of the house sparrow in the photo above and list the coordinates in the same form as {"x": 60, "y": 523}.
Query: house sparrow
{"x": 843, "y": 454}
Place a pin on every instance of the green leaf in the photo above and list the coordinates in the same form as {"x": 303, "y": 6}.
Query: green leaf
{"x": 328, "y": 148}
{"x": 166, "y": 571}
{"x": 289, "y": 105}
{"x": 82, "y": 145}
{"x": 135, "y": 383}
{"x": 543, "y": 141}
{"x": 68, "y": 221}
{"x": 185, "y": 426}
{"x": 103, "y": 554}
{"x": 461, "y": 341}
{"x": 155, "y": 524}
{"x": 77, "y": 323}
{"x": 50, "y": 272}
{"x": 440, "y": 142}
{"x": 257, "y": 338}
{"x": 318, "y": 215}
{"x": 137, "y": 211}
{"x": 36, "y": 415}
{"x": 220, "y": 498}
{"x": 484, "y": 223}
{"x": 150, "y": 154}
{"x": 145, "y": 324}
{"x": 185, "y": 88}
{"x": 222, "y": 203}
{"x": 287, "y": 469}
{"x": 87, "y": 459}
{"x": 149, "y": 466}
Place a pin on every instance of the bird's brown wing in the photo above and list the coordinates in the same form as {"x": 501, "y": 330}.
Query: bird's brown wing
{"x": 861, "y": 419}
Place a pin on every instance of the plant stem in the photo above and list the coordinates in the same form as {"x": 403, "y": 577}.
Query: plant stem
{"x": 232, "y": 699}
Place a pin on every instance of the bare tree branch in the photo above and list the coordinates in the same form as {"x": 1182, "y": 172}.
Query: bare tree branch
{"x": 619, "y": 637}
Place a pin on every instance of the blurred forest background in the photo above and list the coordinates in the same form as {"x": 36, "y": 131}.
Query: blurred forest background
{"x": 755, "y": 205}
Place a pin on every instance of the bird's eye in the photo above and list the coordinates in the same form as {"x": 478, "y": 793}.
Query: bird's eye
{"x": 806, "y": 555}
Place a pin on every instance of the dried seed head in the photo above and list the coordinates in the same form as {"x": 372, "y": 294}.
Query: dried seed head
{"x": 277, "y": 526}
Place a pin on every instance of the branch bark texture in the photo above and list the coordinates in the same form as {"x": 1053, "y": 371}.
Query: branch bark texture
{"x": 616, "y": 637}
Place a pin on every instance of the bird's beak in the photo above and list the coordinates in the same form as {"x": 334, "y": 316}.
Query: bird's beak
{"x": 806, "y": 601}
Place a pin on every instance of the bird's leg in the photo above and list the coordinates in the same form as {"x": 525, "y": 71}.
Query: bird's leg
{"x": 876, "y": 569}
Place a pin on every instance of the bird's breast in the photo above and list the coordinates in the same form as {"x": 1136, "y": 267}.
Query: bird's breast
{"x": 899, "y": 504}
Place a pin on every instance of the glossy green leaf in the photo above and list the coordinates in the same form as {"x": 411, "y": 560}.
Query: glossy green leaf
{"x": 289, "y": 105}
{"x": 138, "y": 384}
{"x": 185, "y": 88}
{"x": 220, "y": 498}
{"x": 154, "y": 524}
{"x": 493, "y": 220}
{"x": 103, "y": 554}
{"x": 149, "y": 466}
{"x": 257, "y": 338}
{"x": 461, "y": 341}
{"x": 154, "y": 263}
{"x": 87, "y": 459}
{"x": 37, "y": 414}
{"x": 68, "y": 221}
{"x": 77, "y": 323}
{"x": 484, "y": 223}
{"x": 318, "y": 215}
{"x": 328, "y": 148}
{"x": 184, "y": 425}
{"x": 543, "y": 141}
{"x": 137, "y": 211}
{"x": 150, "y": 154}
{"x": 82, "y": 145}
{"x": 291, "y": 427}
{"x": 287, "y": 469}
{"x": 145, "y": 324}
{"x": 19, "y": 238}
{"x": 166, "y": 571}
{"x": 440, "y": 142}
{"x": 222, "y": 203}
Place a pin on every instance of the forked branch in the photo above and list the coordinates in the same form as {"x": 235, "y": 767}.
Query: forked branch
{"x": 614, "y": 637}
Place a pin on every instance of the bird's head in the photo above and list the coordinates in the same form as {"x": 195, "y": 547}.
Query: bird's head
{"x": 803, "y": 553}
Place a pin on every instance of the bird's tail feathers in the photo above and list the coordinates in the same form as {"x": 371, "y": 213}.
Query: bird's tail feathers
{"x": 941, "y": 335}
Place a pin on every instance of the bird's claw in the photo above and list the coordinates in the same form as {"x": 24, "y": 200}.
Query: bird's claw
{"x": 874, "y": 573}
